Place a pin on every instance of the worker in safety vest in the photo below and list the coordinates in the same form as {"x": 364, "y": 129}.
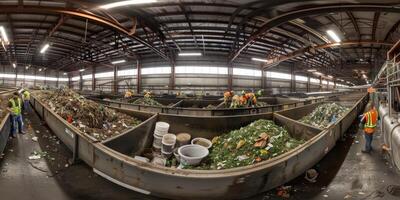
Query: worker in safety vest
{"x": 14, "y": 107}
{"x": 26, "y": 96}
{"x": 370, "y": 119}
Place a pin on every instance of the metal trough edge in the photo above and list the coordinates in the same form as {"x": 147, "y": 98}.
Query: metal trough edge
{"x": 98, "y": 156}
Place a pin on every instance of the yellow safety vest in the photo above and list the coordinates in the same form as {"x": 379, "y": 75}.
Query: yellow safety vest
{"x": 27, "y": 95}
{"x": 16, "y": 109}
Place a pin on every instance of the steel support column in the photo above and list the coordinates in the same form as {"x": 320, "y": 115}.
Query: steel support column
{"x": 138, "y": 76}
{"x": 80, "y": 81}
{"x": 292, "y": 79}
{"x": 230, "y": 76}
{"x": 308, "y": 84}
{"x": 34, "y": 74}
{"x": 172, "y": 77}
{"x": 115, "y": 81}
{"x": 320, "y": 84}
{"x": 93, "y": 78}
{"x": 58, "y": 77}
{"x": 263, "y": 78}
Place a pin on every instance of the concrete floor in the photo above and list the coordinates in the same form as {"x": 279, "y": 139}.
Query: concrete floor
{"x": 345, "y": 173}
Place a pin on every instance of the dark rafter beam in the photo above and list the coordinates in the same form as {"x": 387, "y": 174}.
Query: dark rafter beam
{"x": 300, "y": 13}
{"x": 80, "y": 14}
{"x": 375, "y": 24}
{"x": 188, "y": 21}
{"x": 392, "y": 30}
{"x": 276, "y": 60}
{"x": 355, "y": 24}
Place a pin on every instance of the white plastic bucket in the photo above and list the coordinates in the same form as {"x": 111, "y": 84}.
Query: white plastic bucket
{"x": 157, "y": 141}
{"x": 192, "y": 154}
{"x": 162, "y": 126}
{"x": 202, "y": 142}
{"x": 160, "y": 133}
{"x": 168, "y": 143}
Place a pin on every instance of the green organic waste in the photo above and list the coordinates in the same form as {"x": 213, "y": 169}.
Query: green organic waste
{"x": 259, "y": 141}
{"x": 148, "y": 101}
{"x": 324, "y": 115}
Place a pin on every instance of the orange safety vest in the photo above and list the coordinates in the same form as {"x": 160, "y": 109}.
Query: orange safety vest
{"x": 371, "y": 119}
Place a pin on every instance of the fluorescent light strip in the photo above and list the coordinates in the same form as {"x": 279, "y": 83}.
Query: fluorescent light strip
{"x": 118, "y": 62}
{"x": 82, "y": 70}
{"x": 126, "y": 3}
{"x": 3, "y": 34}
{"x": 190, "y": 54}
{"x": 333, "y": 36}
{"x": 44, "y": 49}
{"x": 259, "y": 60}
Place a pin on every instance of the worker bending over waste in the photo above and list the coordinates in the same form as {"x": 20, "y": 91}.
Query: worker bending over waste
{"x": 369, "y": 119}
{"x": 15, "y": 107}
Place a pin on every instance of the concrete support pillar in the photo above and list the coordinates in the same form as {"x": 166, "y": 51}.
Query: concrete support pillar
{"x": 115, "y": 80}
{"x": 93, "y": 78}
{"x": 138, "y": 76}
{"x": 230, "y": 76}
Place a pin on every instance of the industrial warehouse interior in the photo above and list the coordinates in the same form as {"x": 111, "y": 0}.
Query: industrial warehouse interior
{"x": 199, "y": 99}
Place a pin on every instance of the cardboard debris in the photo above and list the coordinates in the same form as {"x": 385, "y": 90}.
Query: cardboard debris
{"x": 88, "y": 116}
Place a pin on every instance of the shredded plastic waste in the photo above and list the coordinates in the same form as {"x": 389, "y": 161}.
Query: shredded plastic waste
{"x": 88, "y": 116}
{"x": 324, "y": 115}
{"x": 259, "y": 141}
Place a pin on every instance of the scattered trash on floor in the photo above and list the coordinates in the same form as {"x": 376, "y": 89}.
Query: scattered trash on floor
{"x": 357, "y": 142}
{"x": 393, "y": 190}
{"x": 283, "y": 191}
{"x": 348, "y": 196}
{"x": 325, "y": 195}
{"x": 311, "y": 175}
{"x": 35, "y": 139}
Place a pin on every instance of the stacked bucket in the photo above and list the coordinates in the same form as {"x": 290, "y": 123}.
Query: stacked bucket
{"x": 160, "y": 130}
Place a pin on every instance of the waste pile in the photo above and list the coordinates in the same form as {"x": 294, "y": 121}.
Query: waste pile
{"x": 88, "y": 116}
{"x": 324, "y": 115}
{"x": 259, "y": 141}
{"x": 146, "y": 100}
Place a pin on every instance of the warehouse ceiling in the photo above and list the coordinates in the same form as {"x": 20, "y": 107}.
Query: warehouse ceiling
{"x": 80, "y": 33}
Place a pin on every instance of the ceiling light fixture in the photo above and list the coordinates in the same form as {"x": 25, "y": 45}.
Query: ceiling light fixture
{"x": 118, "y": 62}
{"x": 126, "y": 3}
{"x": 82, "y": 70}
{"x": 14, "y": 65}
{"x": 190, "y": 54}
{"x": 312, "y": 70}
{"x": 333, "y": 35}
{"x": 40, "y": 69}
{"x": 65, "y": 73}
{"x": 44, "y": 48}
{"x": 260, "y": 60}
{"x": 4, "y": 35}
{"x": 329, "y": 76}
